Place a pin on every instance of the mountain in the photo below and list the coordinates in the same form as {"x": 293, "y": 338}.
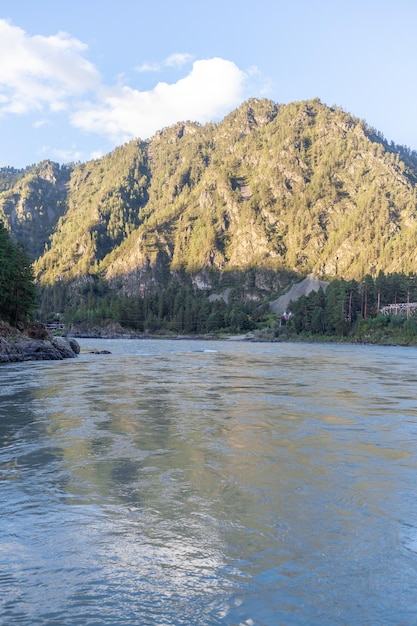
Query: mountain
{"x": 32, "y": 201}
{"x": 272, "y": 188}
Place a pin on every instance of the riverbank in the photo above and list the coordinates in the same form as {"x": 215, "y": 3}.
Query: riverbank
{"x": 374, "y": 332}
{"x": 34, "y": 344}
{"x": 115, "y": 331}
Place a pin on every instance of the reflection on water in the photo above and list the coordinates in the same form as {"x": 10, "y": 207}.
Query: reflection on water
{"x": 186, "y": 482}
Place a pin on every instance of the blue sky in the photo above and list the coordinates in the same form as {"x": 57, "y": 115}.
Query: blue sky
{"x": 78, "y": 78}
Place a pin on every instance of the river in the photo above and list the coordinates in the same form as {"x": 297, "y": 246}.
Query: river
{"x": 180, "y": 482}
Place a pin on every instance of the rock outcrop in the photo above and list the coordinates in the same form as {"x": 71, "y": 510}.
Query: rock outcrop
{"x": 306, "y": 286}
{"x": 21, "y": 348}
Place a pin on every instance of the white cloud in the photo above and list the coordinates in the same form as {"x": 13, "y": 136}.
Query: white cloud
{"x": 96, "y": 154}
{"x": 148, "y": 67}
{"x": 39, "y": 72}
{"x": 69, "y": 155}
{"x": 212, "y": 88}
{"x": 50, "y": 75}
{"x": 39, "y": 123}
{"x": 259, "y": 82}
{"x": 178, "y": 59}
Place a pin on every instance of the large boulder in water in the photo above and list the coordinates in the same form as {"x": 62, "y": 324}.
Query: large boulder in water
{"x": 65, "y": 347}
{"x": 74, "y": 345}
{"x": 53, "y": 348}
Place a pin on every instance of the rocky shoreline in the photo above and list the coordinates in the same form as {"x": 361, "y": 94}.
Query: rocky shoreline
{"x": 16, "y": 346}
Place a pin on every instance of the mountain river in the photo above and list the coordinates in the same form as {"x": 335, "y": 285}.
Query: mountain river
{"x": 186, "y": 482}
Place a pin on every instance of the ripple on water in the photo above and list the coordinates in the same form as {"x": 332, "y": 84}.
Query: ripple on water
{"x": 209, "y": 483}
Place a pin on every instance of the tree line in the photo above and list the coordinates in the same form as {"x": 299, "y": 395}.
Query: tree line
{"x": 349, "y": 308}
{"x": 179, "y": 309}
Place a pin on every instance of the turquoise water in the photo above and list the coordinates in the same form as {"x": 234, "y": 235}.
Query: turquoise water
{"x": 188, "y": 482}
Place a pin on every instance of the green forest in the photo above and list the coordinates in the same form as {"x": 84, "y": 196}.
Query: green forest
{"x": 346, "y": 310}
{"x": 352, "y": 310}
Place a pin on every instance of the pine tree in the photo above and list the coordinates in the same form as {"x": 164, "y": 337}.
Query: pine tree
{"x": 17, "y": 289}
{"x": 7, "y": 251}
{"x": 24, "y": 291}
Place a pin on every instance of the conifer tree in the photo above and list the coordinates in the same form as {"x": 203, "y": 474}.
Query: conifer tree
{"x": 17, "y": 289}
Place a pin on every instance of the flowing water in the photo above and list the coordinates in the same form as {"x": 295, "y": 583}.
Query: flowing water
{"x": 190, "y": 482}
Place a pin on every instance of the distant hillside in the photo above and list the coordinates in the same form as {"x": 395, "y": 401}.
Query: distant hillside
{"x": 302, "y": 188}
{"x": 31, "y": 202}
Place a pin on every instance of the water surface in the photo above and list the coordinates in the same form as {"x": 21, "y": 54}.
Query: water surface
{"x": 188, "y": 482}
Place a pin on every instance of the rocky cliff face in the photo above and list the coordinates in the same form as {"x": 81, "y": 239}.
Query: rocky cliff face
{"x": 32, "y": 206}
{"x": 25, "y": 349}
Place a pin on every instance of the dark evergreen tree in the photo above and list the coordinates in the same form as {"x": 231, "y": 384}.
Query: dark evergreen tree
{"x": 17, "y": 289}
{"x": 7, "y": 253}
{"x": 23, "y": 291}
{"x": 318, "y": 313}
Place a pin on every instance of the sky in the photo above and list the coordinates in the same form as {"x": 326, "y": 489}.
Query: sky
{"x": 79, "y": 78}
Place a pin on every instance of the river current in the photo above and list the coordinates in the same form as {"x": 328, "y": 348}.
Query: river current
{"x": 209, "y": 483}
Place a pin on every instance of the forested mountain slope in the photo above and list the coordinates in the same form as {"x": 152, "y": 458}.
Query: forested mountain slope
{"x": 31, "y": 202}
{"x": 300, "y": 187}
